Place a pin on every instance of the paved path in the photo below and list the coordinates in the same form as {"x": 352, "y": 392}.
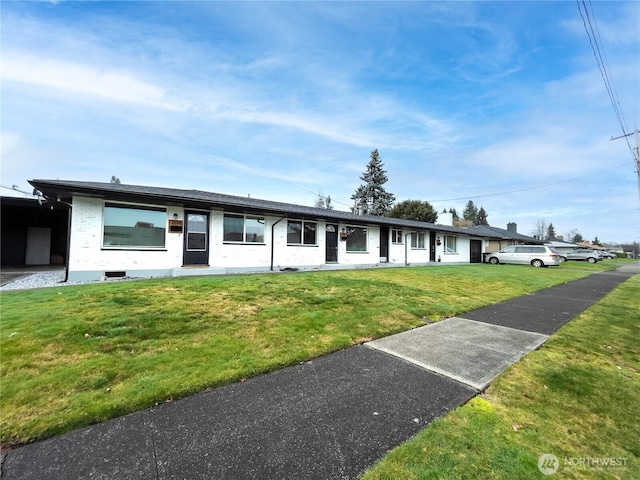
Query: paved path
{"x": 329, "y": 418}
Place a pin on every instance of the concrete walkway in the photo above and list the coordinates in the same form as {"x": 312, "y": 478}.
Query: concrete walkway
{"x": 330, "y": 418}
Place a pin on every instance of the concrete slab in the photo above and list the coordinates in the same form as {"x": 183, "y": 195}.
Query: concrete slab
{"x": 471, "y": 352}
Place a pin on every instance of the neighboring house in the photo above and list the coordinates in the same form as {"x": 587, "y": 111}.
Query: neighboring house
{"x": 498, "y": 238}
{"x": 560, "y": 246}
{"x": 140, "y": 231}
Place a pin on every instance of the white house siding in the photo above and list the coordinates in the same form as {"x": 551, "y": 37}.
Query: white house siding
{"x": 88, "y": 260}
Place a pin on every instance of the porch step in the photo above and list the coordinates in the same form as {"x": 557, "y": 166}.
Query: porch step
{"x": 197, "y": 271}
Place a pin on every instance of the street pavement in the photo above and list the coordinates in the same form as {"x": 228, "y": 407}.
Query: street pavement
{"x": 329, "y": 418}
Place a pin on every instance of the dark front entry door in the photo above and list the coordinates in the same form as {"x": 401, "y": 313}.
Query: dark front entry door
{"x": 476, "y": 251}
{"x": 432, "y": 246}
{"x": 384, "y": 244}
{"x": 196, "y": 238}
{"x": 331, "y": 243}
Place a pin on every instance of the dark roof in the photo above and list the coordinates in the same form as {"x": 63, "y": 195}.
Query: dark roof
{"x": 65, "y": 189}
{"x": 500, "y": 233}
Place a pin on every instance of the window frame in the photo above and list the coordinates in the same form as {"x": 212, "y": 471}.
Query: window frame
{"x": 418, "y": 241}
{"x": 451, "y": 239}
{"x": 350, "y": 231}
{"x": 303, "y": 233}
{"x": 244, "y": 241}
{"x": 134, "y": 206}
{"x": 397, "y": 237}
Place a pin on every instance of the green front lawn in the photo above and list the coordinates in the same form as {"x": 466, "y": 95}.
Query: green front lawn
{"x": 75, "y": 355}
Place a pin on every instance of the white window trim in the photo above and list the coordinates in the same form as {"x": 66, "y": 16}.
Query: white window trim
{"x": 424, "y": 241}
{"x": 302, "y": 244}
{"x": 366, "y": 238}
{"x": 401, "y": 242}
{"x": 134, "y": 247}
{"x": 244, "y": 229}
{"x": 446, "y": 245}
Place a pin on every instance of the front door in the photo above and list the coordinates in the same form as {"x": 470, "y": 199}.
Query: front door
{"x": 432, "y": 246}
{"x": 384, "y": 244}
{"x": 196, "y": 238}
{"x": 331, "y": 255}
{"x": 476, "y": 251}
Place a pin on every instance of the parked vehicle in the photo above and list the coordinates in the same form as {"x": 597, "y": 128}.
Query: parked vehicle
{"x": 606, "y": 254}
{"x": 534, "y": 255}
{"x": 583, "y": 255}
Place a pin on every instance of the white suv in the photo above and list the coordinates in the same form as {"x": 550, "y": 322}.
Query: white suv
{"x": 534, "y": 255}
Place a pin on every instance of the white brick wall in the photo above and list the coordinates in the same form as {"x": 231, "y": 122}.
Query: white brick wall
{"x": 89, "y": 260}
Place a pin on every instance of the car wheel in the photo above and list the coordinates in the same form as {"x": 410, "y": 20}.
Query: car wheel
{"x": 494, "y": 261}
{"x": 591, "y": 260}
{"x": 563, "y": 259}
{"x": 537, "y": 263}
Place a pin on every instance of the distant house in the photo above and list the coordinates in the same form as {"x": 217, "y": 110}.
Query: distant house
{"x": 142, "y": 231}
{"x": 560, "y": 246}
{"x": 497, "y": 238}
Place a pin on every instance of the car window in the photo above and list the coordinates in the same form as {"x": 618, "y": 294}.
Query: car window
{"x": 510, "y": 249}
{"x": 538, "y": 250}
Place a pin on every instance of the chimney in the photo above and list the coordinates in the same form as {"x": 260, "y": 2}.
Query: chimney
{"x": 445, "y": 218}
{"x": 512, "y": 227}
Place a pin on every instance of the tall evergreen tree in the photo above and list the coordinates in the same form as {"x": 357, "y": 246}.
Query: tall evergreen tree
{"x": 551, "y": 232}
{"x": 454, "y": 213}
{"x": 481, "y": 218}
{"x": 470, "y": 212}
{"x": 371, "y": 198}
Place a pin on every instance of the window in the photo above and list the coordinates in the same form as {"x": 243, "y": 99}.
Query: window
{"x": 196, "y": 232}
{"x": 396, "y": 236}
{"x": 133, "y": 226}
{"x": 243, "y": 229}
{"x": 450, "y": 244}
{"x": 356, "y": 239}
{"x": 301, "y": 233}
{"x": 417, "y": 240}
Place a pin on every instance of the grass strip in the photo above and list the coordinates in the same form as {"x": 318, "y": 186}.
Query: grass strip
{"x": 575, "y": 398}
{"x": 77, "y": 355}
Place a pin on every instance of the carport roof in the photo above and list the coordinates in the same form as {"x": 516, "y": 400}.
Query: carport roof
{"x": 66, "y": 189}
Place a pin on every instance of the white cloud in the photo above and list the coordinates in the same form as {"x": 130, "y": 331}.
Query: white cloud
{"x": 86, "y": 79}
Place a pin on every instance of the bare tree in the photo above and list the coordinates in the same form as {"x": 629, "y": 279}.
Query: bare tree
{"x": 540, "y": 230}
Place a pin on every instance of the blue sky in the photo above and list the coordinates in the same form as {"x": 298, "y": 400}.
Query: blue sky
{"x": 285, "y": 100}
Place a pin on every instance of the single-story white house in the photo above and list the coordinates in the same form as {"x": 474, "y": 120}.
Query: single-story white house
{"x": 120, "y": 230}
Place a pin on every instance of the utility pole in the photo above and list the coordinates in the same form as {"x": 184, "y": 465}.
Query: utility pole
{"x": 636, "y": 152}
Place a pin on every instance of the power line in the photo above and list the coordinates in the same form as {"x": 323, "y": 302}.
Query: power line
{"x": 598, "y": 52}
{"x": 525, "y": 189}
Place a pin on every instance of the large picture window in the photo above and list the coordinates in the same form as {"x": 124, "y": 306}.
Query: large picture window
{"x": 301, "y": 233}
{"x": 243, "y": 229}
{"x": 418, "y": 240}
{"x": 133, "y": 226}
{"x": 356, "y": 239}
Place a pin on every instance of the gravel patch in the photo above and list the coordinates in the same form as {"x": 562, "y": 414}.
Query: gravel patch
{"x": 37, "y": 280}
{"x": 50, "y": 279}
